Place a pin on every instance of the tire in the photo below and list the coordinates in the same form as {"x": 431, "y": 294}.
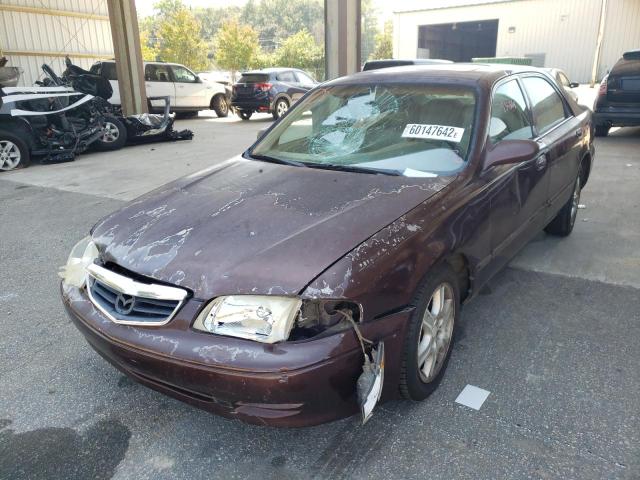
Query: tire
{"x": 415, "y": 383}
{"x": 563, "y": 222}
{"x": 244, "y": 114}
{"x": 602, "y": 130}
{"x": 115, "y": 136}
{"x": 14, "y": 152}
{"x": 220, "y": 105}
{"x": 280, "y": 108}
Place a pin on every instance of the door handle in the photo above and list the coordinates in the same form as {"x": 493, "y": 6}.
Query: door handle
{"x": 541, "y": 162}
{"x": 579, "y": 133}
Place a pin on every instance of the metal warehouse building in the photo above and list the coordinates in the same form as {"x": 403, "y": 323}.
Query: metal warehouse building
{"x": 574, "y": 35}
{"x": 33, "y": 32}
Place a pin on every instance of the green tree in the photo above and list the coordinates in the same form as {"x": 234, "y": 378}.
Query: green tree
{"x": 384, "y": 43}
{"x": 236, "y": 47}
{"x": 300, "y": 51}
{"x": 177, "y": 42}
{"x": 149, "y": 51}
{"x": 368, "y": 29}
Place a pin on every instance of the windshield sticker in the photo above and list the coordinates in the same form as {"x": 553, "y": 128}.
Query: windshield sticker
{"x": 433, "y": 132}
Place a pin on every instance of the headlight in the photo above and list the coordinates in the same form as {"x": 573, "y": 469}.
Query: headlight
{"x": 83, "y": 254}
{"x": 266, "y": 319}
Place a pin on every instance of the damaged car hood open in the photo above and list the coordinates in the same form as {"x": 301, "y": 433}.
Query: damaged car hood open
{"x": 252, "y": 227}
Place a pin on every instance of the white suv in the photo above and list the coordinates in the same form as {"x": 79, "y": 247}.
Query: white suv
{"x": 187, "y": 92}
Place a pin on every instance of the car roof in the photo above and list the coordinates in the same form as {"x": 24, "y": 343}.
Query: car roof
{"x": 468, "y": 74}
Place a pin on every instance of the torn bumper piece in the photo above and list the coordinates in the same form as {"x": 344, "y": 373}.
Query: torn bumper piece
{"x": 290, "y": 384}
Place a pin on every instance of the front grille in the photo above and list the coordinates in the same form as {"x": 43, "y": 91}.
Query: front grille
{"x": 128, "y": 301}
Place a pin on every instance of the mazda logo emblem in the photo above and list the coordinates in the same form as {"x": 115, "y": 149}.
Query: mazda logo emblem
{"x": 124, "y": 304}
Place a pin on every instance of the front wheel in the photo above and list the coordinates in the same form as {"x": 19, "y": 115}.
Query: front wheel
{"x": 280, "y": 108}
{"x": 220, "y": 105}
{"x": 14, "y": 152}
{"x": 563, "y": 222}
{"x": 244, "y": 114}
{"x": 430, "y": 332}
{"x": 602, "y": 130}
{"x": 114, "y": 135}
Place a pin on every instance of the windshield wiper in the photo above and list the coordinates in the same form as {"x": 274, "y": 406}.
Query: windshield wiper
{"x": 353, "y": 168}
{"x": 267, "y": 158}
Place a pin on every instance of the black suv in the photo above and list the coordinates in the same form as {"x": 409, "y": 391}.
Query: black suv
{"x": 618, "y": 100}
{"x": 271, "y": 90}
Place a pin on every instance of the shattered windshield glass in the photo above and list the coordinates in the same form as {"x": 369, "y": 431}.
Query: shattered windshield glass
{"x": 411, "y": 130}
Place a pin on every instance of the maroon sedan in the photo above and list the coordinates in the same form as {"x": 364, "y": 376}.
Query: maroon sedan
{"x": 352, "y": 231}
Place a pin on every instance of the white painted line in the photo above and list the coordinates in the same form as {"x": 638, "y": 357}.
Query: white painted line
{"x": 472, "y": 397}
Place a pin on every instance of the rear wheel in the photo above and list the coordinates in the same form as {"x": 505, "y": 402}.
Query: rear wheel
{"x": 280, "y": 108}
{"x": 244, "y": 114}
{"x": 430, "y": 334}
{"x": 14, "y": 152}
{"x": 562, "y": 224}
{"x": 220, "y": 105}
{"x": 114, "y": 135}
{"x": 602, "y": 130}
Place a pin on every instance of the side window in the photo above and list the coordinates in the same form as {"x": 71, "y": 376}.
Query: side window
{"x": 509, "y": 115}
{"x": 288, "y": 77}
{"x": 182, "y": 75}
{"x": 547, "y": 106}
{"x": 156, "y": 73}
{"x": 304, "y": 78}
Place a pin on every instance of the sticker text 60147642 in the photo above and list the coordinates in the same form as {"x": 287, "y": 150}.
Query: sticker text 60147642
{"x": 433, "y": 132}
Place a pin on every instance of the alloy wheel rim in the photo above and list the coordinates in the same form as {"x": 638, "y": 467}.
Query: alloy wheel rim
{"x": 9, "y": 155}
{"x": 110, "y": 132}
{"x": 282, "y": 108}
{"x": 575, "y": 201}
{"x": 436, "y": 332}
{"x": 223, "y": 106}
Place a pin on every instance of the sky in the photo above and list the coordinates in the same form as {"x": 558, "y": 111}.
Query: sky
{"x": 145, "y": 7}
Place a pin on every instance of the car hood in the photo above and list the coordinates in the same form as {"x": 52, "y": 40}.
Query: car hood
{"x": 246, "y": 226}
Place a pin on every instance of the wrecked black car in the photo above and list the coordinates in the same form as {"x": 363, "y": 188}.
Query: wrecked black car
{"x": 53, "y": 122}
{"x": 64, "y": 116}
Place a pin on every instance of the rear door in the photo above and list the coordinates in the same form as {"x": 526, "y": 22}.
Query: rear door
{"x": 190, "y": 90}
{"x": 251, "y": 86}
{"x": 159, "y": 83}
{"x": 559, "y": 134}
{"x": 288, "y": 82}
{"x": 623, "y": 83}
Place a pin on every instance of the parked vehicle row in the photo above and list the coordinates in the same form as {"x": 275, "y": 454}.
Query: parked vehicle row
{"x": 187, "y": 92}
{"x": 324, "y": 269}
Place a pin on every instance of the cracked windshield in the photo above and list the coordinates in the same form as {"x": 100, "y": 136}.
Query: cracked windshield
{"x": 409, "y": 130}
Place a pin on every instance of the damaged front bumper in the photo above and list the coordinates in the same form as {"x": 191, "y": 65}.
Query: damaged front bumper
{"x": 289, "y": 384}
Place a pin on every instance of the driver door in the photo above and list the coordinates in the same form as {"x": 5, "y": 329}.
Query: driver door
{"x": 518, "y": 197}
{"x": 190, "y": 90}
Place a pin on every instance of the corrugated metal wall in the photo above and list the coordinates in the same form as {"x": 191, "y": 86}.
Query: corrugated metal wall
{"x": 564, "y": 31}
{"x": 33, "y": 32}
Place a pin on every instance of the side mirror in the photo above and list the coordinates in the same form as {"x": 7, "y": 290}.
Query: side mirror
{"x": 261, "y": 132}
{"x": 574, "y": 85}
{"x": 511, "y": 151}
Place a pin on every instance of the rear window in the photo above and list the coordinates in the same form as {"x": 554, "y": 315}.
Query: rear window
{"x": 254, "y": 78}
{"x": 386, "y": 64}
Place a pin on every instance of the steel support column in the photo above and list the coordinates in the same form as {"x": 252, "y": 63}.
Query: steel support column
{"x": 126, "y": 46}
{"x": 341, "y": 37}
